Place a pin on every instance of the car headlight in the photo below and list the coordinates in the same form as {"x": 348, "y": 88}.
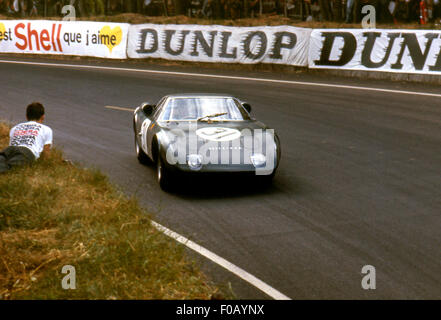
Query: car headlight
{"x": 194, "y": 161}
{"x": 258, "y": 160}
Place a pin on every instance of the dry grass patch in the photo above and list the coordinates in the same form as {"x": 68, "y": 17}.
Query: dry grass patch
{"x": 54, "y": 213}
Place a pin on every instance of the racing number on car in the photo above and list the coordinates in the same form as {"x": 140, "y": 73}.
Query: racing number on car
{"x": 218, "y": 133}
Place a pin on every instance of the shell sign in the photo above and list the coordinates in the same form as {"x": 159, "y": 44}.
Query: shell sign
{"x": 96, "y": 39}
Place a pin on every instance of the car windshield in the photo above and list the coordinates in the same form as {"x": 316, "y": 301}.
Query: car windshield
{"x": 203, "y": 108}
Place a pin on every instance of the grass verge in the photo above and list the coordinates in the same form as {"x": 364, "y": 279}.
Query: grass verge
{"x": 53, "y": 213}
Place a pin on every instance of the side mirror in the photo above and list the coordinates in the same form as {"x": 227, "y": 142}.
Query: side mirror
{"x": 147, "y": 108}
{"x": 247, "y": 106}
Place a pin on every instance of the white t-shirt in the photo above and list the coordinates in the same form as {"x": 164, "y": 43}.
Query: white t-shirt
{"x": 32, "y": 135}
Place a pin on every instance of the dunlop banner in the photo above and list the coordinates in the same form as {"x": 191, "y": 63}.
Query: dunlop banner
{"x": 279, "y": 45}
{"x": 408, "y": 51}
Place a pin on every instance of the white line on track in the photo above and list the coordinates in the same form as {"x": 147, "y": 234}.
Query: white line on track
{"x": 270, "y": 291}
{"x": 259, "y": 284}
{"x": 119, "y": 108}
{"x": 214, "y": 76}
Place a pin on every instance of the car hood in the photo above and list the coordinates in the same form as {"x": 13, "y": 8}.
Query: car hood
{"x": 193, "y": 125}
{"x": 217, "y": 134}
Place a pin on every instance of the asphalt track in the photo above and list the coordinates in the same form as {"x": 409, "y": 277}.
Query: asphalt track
{"x": 359, "y": 182}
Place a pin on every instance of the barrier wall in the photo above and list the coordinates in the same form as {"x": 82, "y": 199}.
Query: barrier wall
{"x": 392, "y": 51}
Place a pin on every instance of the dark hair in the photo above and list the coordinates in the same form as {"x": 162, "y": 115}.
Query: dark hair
{"x": 34, "y": 111}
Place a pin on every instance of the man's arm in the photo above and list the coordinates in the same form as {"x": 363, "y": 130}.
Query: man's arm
{"x": 48, "y": 144}
{"x": 46, "y": 151}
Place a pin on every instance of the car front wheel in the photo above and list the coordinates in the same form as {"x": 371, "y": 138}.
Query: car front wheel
{"x": 164, "y": 176}
{"x": 265, "y": 181}
{"x": 140, "y": 154}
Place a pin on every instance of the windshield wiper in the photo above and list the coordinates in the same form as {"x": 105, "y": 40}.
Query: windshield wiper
{"x": 212, "y": 116}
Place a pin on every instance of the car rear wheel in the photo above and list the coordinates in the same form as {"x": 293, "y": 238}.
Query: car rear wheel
{"x": 164, "y": 176}
{"x": 140, "y": 154}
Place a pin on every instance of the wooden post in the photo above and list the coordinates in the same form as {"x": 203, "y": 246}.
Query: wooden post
{"x": 338, "y": 10}
{"x": 245, "y": 8}
{"x": 164, "y": 2}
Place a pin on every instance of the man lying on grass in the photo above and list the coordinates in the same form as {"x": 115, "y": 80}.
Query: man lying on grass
{"x": 28, "y": 140}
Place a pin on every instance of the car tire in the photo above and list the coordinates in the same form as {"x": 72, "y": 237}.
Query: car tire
{"x": 143, "y": 158}
{"x": 164, "y": 175}
{"x": 265, "y": 180}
